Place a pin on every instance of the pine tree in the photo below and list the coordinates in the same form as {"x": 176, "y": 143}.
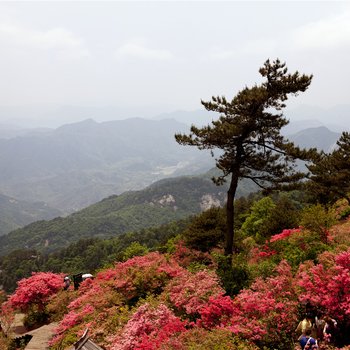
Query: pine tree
{"x": 248, "y": 135}
{"x": 330, "y": 172}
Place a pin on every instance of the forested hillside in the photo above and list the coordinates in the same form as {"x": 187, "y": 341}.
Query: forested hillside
{"x": 15, "y": 213}
{"x": 160, "y": 203}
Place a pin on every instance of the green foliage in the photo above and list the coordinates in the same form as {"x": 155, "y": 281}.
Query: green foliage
{"x": 86, "y": 255}
{"x": 207, "y": 230}
{"x": 17, "y": 265}
{"x": 171, "y": 245}
{"x": 318, "y": 219}
{"x": 162, "y": 202}
{"x": 35, "y": 318}
{"x": 242, "y": 208}
{"x": 286, "y": 214}
{"x": 330, "y": 173}
{"x": 263, "y": 269}
{"x": 345, "y": 213}
{"x": 134, "y": 249}
{"x": 255, "y": 224}
{"x": 233, "y": 276}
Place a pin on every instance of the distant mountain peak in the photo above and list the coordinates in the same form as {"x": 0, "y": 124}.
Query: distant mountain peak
{"x": 81, "y": 125}
{"x": 320, "y": 137}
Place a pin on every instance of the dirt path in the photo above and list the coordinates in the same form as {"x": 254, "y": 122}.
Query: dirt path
{"x": 41, "y": 337}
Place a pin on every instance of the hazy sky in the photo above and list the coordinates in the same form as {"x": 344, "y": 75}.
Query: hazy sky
{"x": 167, "y": 55}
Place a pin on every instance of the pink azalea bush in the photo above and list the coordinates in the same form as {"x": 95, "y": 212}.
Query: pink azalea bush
{"x": 259, "y": 254}
{"x": 186, "y": 256}
{"x": 189, "y": 292}
{"x": 111, "y": 290}
{"x": 148, "y": 328}
{"x": 284, "y": 234}
{"x": 142, "y": 274}
{"x": 36, "y": 290}
{"x": 266, "y": 312}
{"x": 217, "y": 312}
{"x": 326, "y": 285}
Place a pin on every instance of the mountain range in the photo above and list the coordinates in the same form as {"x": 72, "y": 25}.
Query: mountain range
{"x": 79, "y": 164}
{"x": 76, "y": 165}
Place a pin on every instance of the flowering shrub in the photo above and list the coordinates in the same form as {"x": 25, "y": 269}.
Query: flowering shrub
{"x": 96, "y": 304}
{"x": 293, "y": 245}
{"x": 142, "y": 274}
{"x": 57, "y": 305}
{"x": 217, "y": 312}
{"x": 111, "y": 289}
{"x": 326, "y": 286}
{"x": 284, "y": 234}
{"x": 147, "y": 329}
{"x": 153, "y": 302}
{"x": 259, "y": 254}
{"x": 189, "y": 292}
{"x": 203, "y": 339}
{"x": 186, "y": 256}
{"x": 36, "y": 290}
{"x": 266, "y": 312}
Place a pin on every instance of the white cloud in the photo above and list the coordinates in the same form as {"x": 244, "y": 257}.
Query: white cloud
{"x": 141, "y": 51}
{"x": 326, "y": 33}
{"x": 56, "y": 38}
{"x": 222, "y": 54}
{"x": 263, "y": 46}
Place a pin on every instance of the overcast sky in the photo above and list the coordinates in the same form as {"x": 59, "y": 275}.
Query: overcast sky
{"x": 167, "y": 55}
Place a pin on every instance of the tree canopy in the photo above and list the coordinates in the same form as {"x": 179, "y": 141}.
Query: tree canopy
{"x": 330, "y": 172}
{"x": 248, "y": 135}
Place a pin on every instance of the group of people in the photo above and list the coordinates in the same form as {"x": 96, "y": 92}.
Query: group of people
{"x": 77, "y": 279}
{"x": 314, "y": 329}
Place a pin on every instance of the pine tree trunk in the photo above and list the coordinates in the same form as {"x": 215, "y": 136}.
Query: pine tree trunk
{"x": 230, "y": 215}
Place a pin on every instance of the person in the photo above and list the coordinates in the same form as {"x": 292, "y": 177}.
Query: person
{"x": 66, "y": 282}
{"x": 319, "y": 325}
{"x": 329, "y": 329}
{"x": 304, "y": 325}
{"x": 307, "y": 342}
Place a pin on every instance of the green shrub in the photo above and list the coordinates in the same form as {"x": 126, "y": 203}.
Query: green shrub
{"x": 234, "y": 276}
{"x": 263, "y": 269}
{"x": 318, "y": 219}
{"x": 35, "y": 318}
{"x": 258, "y": 219}
{"x": 207, "y": 230}
{"x": 345, "y": 213}
{"x": 134, "y": 249}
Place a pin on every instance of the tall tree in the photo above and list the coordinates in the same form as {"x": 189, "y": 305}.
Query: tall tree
{"x": 248, "y": 135}
{"x": 330, "y": 172}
